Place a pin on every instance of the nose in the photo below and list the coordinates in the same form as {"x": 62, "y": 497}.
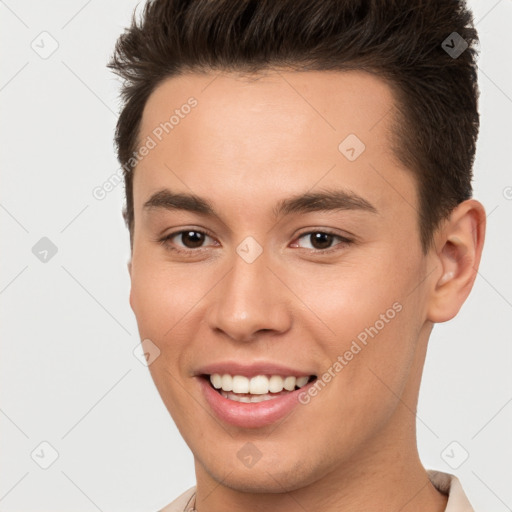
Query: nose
{"x": 248, "y": 301}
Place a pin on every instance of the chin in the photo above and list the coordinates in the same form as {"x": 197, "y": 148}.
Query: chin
{"x": 263, "y": 477}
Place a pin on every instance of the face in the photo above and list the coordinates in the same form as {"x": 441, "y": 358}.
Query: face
{"x": 276, "y": 243}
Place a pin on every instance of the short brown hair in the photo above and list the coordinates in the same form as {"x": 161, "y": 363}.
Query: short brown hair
{"x": 402, "y": 41}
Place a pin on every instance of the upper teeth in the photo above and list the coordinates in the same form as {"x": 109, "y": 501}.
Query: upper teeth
{"x": 258, "y": 385}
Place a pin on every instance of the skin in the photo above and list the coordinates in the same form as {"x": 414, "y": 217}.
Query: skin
{"x": 246, "y": 146}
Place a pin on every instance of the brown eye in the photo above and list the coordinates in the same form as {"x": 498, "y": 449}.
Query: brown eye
{"x": 191, "y": 239}
{"x": 186, "y": 240}
{"x": 321, "y": 241}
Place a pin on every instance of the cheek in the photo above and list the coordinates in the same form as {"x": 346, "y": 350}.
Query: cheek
{"x": 160, "y": 309}
{"x": 369, "y": 318}
{"x": 151, "y": 304}
{"x": 160, "y": 304}
{"x": 352, "y": 297}
{"x": 368, "y": 383}
{"x": 158, "y": 296}
{"x": 166, "y": 303}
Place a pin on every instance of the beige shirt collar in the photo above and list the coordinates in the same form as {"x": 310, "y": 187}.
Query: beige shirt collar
{"x": 443, "y": 482}
{"x": 450, "y": 485}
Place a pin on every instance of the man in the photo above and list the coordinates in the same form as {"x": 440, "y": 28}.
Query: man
{"x": 298, "y": 195}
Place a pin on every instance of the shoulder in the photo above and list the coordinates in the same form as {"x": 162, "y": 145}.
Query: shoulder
{"x": 179, "y": 504}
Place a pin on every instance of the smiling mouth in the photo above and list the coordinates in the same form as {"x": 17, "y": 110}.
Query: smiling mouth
{"x": 259, "y": 388}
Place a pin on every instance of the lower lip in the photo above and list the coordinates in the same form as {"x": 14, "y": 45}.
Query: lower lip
{"x": 250, "y": 415}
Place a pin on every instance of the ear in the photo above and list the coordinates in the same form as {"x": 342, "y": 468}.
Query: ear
{"x": 458, "y": 246}
{"x": 129, "y": 266}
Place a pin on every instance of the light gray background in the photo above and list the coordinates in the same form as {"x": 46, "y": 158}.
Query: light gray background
{"x": 68, "y": 374}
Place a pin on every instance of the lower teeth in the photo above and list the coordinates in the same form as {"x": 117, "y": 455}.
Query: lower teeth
{"x": 248, "y": 398}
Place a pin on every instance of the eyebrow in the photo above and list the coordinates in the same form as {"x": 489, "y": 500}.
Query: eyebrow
{"x": 328, "y": 200}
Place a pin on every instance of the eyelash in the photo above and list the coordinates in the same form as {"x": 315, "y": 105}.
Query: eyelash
{"x": 166, "y": 241}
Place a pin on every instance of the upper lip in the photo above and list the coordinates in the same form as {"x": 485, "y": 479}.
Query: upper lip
{"x": 251, "y": 369}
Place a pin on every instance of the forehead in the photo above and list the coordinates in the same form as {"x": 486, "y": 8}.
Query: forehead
{"x": 330, "y": 104}
{"x": 280, "y": 128}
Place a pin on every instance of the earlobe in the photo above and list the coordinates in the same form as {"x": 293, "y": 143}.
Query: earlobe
{"x": 460, "y": 243}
